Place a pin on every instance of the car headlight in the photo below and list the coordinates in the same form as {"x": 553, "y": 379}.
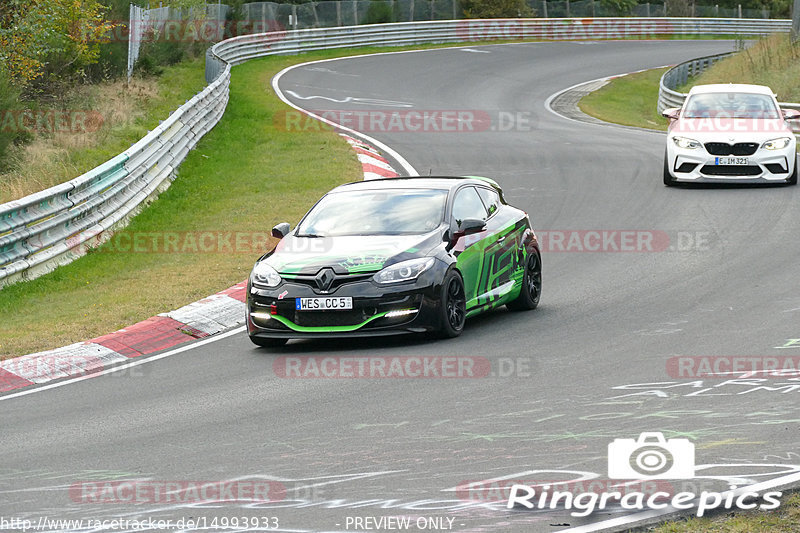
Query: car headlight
{"x": 684, "y": 142}
{"x": 777, "y": 144}
{"x": 403, "y": 271}
{"x": 263, "y": 274}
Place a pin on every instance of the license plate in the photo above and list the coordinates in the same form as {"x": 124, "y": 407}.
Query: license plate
{"x": 732, "y": 161}
{"x": 323, "y": 304}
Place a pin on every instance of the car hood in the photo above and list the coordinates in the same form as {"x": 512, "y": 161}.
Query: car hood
{"x": 730, "y": 130}
{"x": 348, "y": 255}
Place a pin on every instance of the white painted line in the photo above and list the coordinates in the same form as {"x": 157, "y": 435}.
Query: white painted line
{"x": 410, "y": 170}
{"x": 132, "y": 364}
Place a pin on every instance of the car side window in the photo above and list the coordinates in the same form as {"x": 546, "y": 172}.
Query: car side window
{"x": 490, "y": 199}
{"x": 468, "y": 204}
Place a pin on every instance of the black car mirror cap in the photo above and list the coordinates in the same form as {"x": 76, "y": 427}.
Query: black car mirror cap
{"x": 281, "y": 230}
{"x": 469, "y": 226}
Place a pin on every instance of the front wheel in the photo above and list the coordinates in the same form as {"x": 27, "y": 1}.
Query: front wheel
{"x": 452, "y": 305}
{"x": 266, "y": 342}
{"x": 531, "y": 289}
{"x": 668, "y": 179}
{"x": 792, "y": 180}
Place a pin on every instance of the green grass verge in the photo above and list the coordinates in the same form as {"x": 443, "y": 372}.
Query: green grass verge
{"x": 785, "y": 519}
{"x": 629, "y": 100}
{"x": 243, "y": 177}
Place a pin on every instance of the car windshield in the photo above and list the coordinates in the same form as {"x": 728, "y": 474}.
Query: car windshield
{"x": 730, "y": 105}
{"x": 375, "y": 212}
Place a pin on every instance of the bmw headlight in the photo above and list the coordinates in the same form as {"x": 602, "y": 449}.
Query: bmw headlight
{"x": 777, "y": 144}
{"x": 265, "y": 275}
{"x": 403, "y": 271}
{"x": 684, "y": 142}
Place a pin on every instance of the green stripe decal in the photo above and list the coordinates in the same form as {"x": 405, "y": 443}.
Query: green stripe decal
{"x": 324, "y": 329}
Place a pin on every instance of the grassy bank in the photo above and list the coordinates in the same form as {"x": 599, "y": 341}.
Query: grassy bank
{"x": 772, "y": 61}
{"x": 244, "y": 177}
{"x": 629, "y": 100}
{"x": 121, "y": 116}
{"x": 785, "y": 519}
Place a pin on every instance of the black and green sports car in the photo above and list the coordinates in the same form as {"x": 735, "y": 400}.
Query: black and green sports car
{"x": 395, "y": 255}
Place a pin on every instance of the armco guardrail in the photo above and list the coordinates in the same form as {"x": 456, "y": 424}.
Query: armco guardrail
{"x": 678, "y": 75}
{"x": 55, "y": 226}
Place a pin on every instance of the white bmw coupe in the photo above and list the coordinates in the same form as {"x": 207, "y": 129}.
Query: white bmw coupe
{"x": 730, "y": 133}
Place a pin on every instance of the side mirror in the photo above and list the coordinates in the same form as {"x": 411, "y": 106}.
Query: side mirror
{"x": 281, "y": 230}
{"x": 470, "y": 226}
{"x": 672, "y": 113}
{"x": 791, "y": 114}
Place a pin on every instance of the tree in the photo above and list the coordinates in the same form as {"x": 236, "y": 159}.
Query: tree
{"x": 45, "y": 39}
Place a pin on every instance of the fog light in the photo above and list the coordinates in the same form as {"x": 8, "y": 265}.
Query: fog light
{"x": 400, "y": 312}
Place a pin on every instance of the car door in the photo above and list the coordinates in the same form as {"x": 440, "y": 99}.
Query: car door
{"x": 500, "y": 255}
{"x": 470, "y": 250}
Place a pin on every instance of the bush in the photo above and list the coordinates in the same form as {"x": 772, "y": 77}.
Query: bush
{"x": 378, "y": 12}
{"x": 488, "y": 9}
{"x": 10, "y": 134}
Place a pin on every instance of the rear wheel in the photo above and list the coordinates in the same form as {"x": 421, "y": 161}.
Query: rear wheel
{"x": 668, "y": 179}
{"x": 453, "y": 305}
{"x": 266, "y": 342}
{"x": 531, "y": 289}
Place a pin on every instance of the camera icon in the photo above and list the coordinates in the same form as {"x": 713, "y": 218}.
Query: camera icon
{"x": 651, "y": 457}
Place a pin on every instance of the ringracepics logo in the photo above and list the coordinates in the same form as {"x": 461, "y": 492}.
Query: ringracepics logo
{"x": 649, "y": 457}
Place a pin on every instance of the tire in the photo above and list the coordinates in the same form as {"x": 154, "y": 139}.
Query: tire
{"x": 266, "y": 342}
{"x": 668, "y": 179}
{"x": 792, "y": 180}
{"x": 452, "y": 306}
{"x": 531, "y": 289}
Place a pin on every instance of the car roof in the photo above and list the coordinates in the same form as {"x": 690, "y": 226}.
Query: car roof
{"x": 731, "y": 88}
{"x": 418, "y": 182}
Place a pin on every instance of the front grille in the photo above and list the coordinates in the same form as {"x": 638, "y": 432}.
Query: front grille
{"x": 686, "y": 167}
{"x": 338, "y": 280}
{"x": 731, "y": 149}
{"x": 329, "y": 318}
{"x": 775, "y": 168}
{"x": 731, "y": 170}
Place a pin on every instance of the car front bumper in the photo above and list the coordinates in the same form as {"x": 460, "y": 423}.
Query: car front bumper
{"x": 699, "y": 166}
{"x": 377, "y": 310}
